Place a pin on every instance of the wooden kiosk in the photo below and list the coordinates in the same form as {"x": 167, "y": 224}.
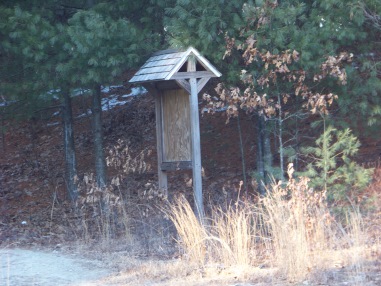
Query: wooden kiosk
{"x": 175, "y": 78}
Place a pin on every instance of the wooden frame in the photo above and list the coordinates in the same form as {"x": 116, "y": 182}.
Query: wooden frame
{"x": 176, "y": 126}
{"x": 184, "y": 133}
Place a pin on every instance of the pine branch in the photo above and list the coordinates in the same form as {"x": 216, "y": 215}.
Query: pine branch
{"x": 71, "y": 7}
{"x": 49, "y": 108}
{"x": 372, "y": 17}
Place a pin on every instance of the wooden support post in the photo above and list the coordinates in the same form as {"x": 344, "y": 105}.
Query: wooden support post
{"x": 201, "y": 83}
{"x": 178, "y": 130}
{"x": 162, "y": 175}
{"x": 184, "y": 84}
{"x": 196, "y": 149}
{"x": 163, "y": 180}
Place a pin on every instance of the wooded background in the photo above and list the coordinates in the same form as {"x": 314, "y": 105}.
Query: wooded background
{"x": 289, "y": 64}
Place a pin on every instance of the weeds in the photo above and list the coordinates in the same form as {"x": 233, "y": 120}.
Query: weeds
{"x": 192, "y": 234}
{"x": 357, "y": 238}
{"x": 291, "y": 228}
{"x": 233, "y": 235}
{"x": 102, "y": 211}
{"x": 299, "y": 225}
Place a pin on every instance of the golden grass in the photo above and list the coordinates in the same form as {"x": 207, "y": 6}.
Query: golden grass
{"x": 291, "y": 229}
{"x": 192, "y": 234}
{"x": 232, "y": 236}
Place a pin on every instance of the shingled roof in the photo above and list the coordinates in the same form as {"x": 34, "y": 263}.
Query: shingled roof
{"x": 165, "y": 65}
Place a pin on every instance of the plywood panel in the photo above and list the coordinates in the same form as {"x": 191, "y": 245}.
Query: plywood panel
{"x": 176, "y": 125}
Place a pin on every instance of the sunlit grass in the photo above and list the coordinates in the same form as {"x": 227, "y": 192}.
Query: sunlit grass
{"x": 291, "y": 229}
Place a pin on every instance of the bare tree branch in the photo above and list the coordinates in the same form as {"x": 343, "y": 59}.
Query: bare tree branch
{"x": 372, "y": 17}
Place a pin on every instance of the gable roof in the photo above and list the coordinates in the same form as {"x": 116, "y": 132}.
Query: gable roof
{"x": 163, "y": 65}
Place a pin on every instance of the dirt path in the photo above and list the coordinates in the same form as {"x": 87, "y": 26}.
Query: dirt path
{"x": 20, "y": 267}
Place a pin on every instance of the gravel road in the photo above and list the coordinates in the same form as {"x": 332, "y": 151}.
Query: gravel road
{"x": 20, "y": 267}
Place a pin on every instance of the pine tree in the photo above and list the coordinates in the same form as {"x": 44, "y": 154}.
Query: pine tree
{"x": 32, "y": 40}
{"x": 315, "y": 29}
{"x": 369, "y": 65}
{"x": 102, "y": 43}
{"x": 332, "y": 167}
{"x": 60, "y": 45}
{"x": 204, "y": 25}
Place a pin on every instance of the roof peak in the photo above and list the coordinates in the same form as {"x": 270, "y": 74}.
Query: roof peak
{"x": 162, "y": 65}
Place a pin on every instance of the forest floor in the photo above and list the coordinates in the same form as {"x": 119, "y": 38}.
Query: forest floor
{"x": 43, "y": 242}
{"x": 37, "y": 267}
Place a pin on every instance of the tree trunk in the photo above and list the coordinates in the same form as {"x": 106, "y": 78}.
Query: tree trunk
{"x": 296, "y": 165}
{"x": 267, "y": 154}
{"x": 260, "y": 158}
{"x": 69, "y": 147}
{"x": 100, "y": 161}
{"x": 280, "y": 138}
{"x": 241, "y": 148}
{"x": 2, "y": 127}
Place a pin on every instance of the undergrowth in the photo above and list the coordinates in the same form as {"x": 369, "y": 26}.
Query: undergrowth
{"x": 290, "y": 229}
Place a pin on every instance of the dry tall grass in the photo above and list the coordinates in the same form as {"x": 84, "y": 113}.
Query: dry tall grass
{"x": 299, "y": 225}
{"x": 101, "y": 212}
{"x": 232, "y": 236}
{"x": 292, "y": 223}
{"x": 357, "y": 239}
{"x": 228, "y": 238}
{"x": 192, "y": 234}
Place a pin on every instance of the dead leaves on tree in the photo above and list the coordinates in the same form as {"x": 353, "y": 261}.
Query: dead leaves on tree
{"x": 276, "y": 69}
